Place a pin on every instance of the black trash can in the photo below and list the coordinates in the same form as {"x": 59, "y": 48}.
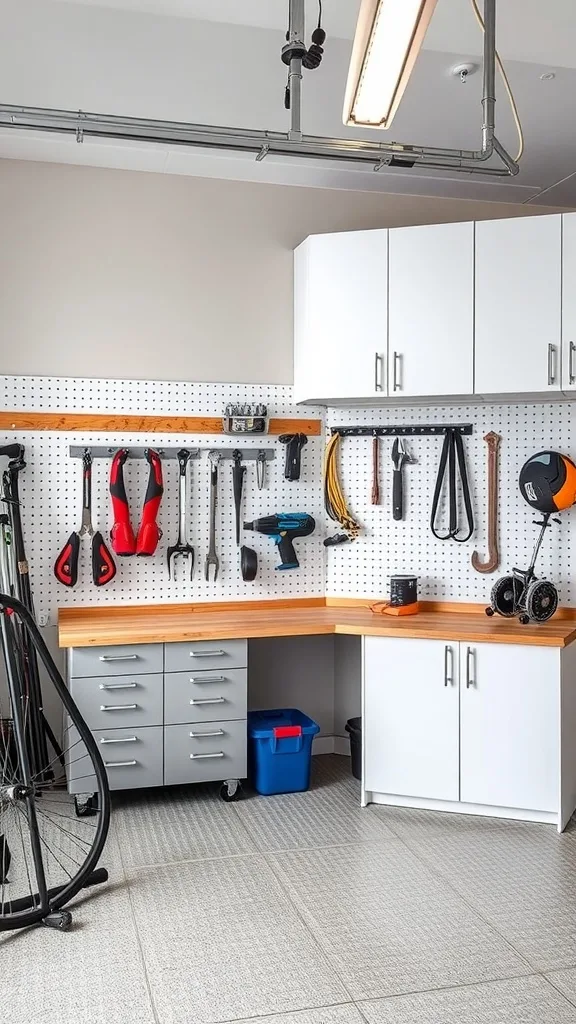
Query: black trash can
{"x": 354, "y": 728}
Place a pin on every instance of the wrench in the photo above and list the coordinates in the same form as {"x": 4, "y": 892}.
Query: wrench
{"x": 212, "y": 557}
{"x": 182, "y": 547}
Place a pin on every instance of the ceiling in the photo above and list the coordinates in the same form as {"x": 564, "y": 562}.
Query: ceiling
{"x": 122, "y": 58}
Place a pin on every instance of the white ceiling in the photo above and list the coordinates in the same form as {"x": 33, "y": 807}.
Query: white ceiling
{"x": 528, "y": 30}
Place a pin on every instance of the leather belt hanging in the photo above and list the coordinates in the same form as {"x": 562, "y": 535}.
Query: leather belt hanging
{"x": 452, "y": 464}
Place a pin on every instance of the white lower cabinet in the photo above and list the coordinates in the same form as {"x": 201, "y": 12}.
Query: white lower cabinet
{"x": 481, "y": 727}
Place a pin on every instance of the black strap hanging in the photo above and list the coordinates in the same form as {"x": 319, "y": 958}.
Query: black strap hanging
{"x": 453, "y": 457}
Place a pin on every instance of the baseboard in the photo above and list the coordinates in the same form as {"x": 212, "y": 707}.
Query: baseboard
{"x": 323, "y": 745}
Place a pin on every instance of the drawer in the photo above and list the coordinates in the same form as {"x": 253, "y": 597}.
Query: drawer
{"x": 206, "y": 654}
{"x": 116, "y": 661}
{"x": 133, "y": 759}
{"x": 205, "y": 696}
{"x": 123, "y": 701}
{"x": 208, "y": 752}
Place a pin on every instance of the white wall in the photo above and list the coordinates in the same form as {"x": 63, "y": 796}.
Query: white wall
{"x": 107, "y": 273}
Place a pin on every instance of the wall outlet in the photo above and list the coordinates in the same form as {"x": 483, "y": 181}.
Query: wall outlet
{"x": 43, "y": 618}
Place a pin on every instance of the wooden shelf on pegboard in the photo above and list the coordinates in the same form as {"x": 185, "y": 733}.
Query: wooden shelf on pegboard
{"x": 103, "y": 423}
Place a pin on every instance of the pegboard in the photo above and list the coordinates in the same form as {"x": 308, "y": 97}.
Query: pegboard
{"x": 385, "y": 547}
{"x": 51, "y": 490}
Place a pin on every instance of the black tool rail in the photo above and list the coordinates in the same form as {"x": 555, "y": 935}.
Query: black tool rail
{"x": 404, "y": 430}
{"x": 105, "y": 452}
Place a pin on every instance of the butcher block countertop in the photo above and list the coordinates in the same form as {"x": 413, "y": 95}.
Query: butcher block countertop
{"x": 169, "y": 623}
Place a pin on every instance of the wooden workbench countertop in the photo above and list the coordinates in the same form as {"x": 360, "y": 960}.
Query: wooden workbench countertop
{"x": 149, "y": 624}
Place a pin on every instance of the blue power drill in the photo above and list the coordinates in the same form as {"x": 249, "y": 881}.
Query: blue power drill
{"x": 284, "y": 527}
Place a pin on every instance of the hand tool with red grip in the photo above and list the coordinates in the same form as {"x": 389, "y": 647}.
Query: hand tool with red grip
{"x": 66, "y": 565}
{"x": 121, "y": 534}
{"x": 149, "y": 533}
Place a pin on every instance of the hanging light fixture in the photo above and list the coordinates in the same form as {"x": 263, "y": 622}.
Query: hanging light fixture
{"x": 389, "y": 34}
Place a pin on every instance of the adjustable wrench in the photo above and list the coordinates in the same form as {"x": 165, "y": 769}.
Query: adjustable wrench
{"x": 212, "y": 557}
{"x": 182, "y": 547}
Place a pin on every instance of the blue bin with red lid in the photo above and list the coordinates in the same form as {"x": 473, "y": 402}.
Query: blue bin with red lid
{"x": 280, "y": 747}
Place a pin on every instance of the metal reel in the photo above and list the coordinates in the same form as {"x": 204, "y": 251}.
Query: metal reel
{"x": 541, "y": 600}
{"x": 505, "y": 596}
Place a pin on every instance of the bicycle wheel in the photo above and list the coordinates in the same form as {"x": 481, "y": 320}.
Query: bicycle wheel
{"x": 47, "y": 853}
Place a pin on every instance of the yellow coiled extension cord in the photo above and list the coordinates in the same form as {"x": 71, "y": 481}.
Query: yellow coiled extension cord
{"x": 334, "y": 500}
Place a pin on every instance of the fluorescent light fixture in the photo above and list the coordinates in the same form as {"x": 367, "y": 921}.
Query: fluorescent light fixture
{"x": 389, "y": 34}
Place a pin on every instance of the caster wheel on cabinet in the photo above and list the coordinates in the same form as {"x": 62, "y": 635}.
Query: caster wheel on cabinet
{"x": 86, "y": 806}
{"x": 60, "y": 920}
{"x": 231, "y": 790}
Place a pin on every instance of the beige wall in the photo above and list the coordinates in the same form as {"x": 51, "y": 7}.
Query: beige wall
{"x": 107, "y": 273}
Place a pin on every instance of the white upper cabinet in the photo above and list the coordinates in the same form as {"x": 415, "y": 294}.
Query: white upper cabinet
{"x": 518, "y": 304}
{"x": 569, "y": 302}
{"x": 341, "y": 316}
{"x": 431, "y": 310}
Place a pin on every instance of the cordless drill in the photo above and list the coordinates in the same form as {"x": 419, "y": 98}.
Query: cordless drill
{"x": 284, "y": 527}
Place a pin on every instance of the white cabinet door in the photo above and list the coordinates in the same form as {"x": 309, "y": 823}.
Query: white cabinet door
{"x": 341, "y": 316}
{"x": 410, "y": 717}
{"x": 518, "y": 304}
{"x": 431, "y": 310}
{"x": 509, "y": 720}
{"x": 569, "y": 302}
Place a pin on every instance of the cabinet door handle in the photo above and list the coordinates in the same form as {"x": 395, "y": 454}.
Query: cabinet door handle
{"x": 207, "y": 654}
{"x": 199, "y": 757}
{"x": 470, "y": 681}
{"x": 448, "y": 666}
{"x": 118, "y": 657}
{"x": 551, "y": 364}
{"x": 215, "y": 732}
{"x": 571, "y": 369}
{"x": 120, "y": 764}
{"x": 397, "y": 383}
{"x": 118, "y": 686}
{"x": 118, "y": 707}
{"x": 207, "y": 679}
{"x": 127, "y": 739}
{"x": 378, "y": 372}
{"x": 208, "y": 700}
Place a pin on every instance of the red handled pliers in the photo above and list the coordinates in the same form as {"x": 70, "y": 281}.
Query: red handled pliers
{"x": 66, "y": 565}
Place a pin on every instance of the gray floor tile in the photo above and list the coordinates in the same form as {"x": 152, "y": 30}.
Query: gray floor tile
{"x": 421, "y": 824}
{"x": 161, "y": 826}
{"x": 388, "y": 924}
{"x": 521, "y": 881}
{"x": 326, "y": 1015}
{"x": 565, "y": 981}
{"x": 221, "y": 940}
{"x": 517, "y": 1001}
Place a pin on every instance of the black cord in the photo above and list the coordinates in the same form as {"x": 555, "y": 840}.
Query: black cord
{"x": 319, "y": 13}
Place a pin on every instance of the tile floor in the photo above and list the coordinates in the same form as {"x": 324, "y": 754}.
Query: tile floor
{"x": 305, "y": 909}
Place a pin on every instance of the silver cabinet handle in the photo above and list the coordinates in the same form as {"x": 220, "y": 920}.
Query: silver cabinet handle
{"x": 397, "y": 362}
{"x": 551, "y": 364}
{"x": 118, "y": 707}
{"x": 207, "y": 654}
{"x": 208, "y": 700}
{"x": 470, "y": 681}
{"x": 448, "y": 666}
{"x": 571, "y": 370}
{"x": 207, "y": 679}
{"x": 216, "y": 732}
{"x": 118, "y": 657}
{"x": 120, "y": 764}
{"x": 127, "y": 739}
{"x": 198, "y": 757}
{"x": 378, "y": 371}
{"x": 118, "y": 686}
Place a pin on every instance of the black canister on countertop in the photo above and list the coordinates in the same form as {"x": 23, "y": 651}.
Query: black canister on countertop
{"x": 403, "y": 590}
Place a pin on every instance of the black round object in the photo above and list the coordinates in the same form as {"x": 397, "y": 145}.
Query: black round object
{"x": 248, "y": 564}
{"x": 548, "y": 481}
{"x": 403, "y": 590}
{"x": 354, "y": 729}
{"x": 541, "y": 600}
{"x": 505, "y": 595}
{"x": 229, "y": 793}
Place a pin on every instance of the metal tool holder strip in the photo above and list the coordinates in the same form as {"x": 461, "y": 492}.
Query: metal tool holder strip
{"x": 100, "y": 452}
{"x": 419, "y": 430}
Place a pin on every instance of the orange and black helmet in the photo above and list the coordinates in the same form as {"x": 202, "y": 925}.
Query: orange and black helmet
{"x": 548, "y": 482}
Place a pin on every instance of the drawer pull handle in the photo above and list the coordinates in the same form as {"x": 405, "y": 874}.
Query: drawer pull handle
{"x": 120, "y": 764}
{"x": 207, "y": 654}
{"x": 127, "y": 739}
{"x": 208, "y": 700}
{"x": 217, "y": 732}
{"x": 118, "y": 707}
{"x": 118, "y": 657}
{"x": 198, "y": 757}
{"x": 207, "y": 679}
{"x": 118, "y": 686}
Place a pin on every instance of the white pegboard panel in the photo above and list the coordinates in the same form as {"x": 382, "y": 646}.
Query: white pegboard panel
{"x": 385, "y": 547}
{"x": 51, "y": 488}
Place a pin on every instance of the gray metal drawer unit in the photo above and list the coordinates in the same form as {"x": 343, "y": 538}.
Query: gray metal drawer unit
{"x": 205, "y": 696}
{"x": 111, "y": 703}
{"x": 206, "y": 654}
{"x": 133, "y": 759}
{"x": 116, "y": 661}
{"x": 203, "y": 753}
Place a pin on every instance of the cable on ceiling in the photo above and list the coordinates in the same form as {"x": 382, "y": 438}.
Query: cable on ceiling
{"x": 507, "y": 86}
